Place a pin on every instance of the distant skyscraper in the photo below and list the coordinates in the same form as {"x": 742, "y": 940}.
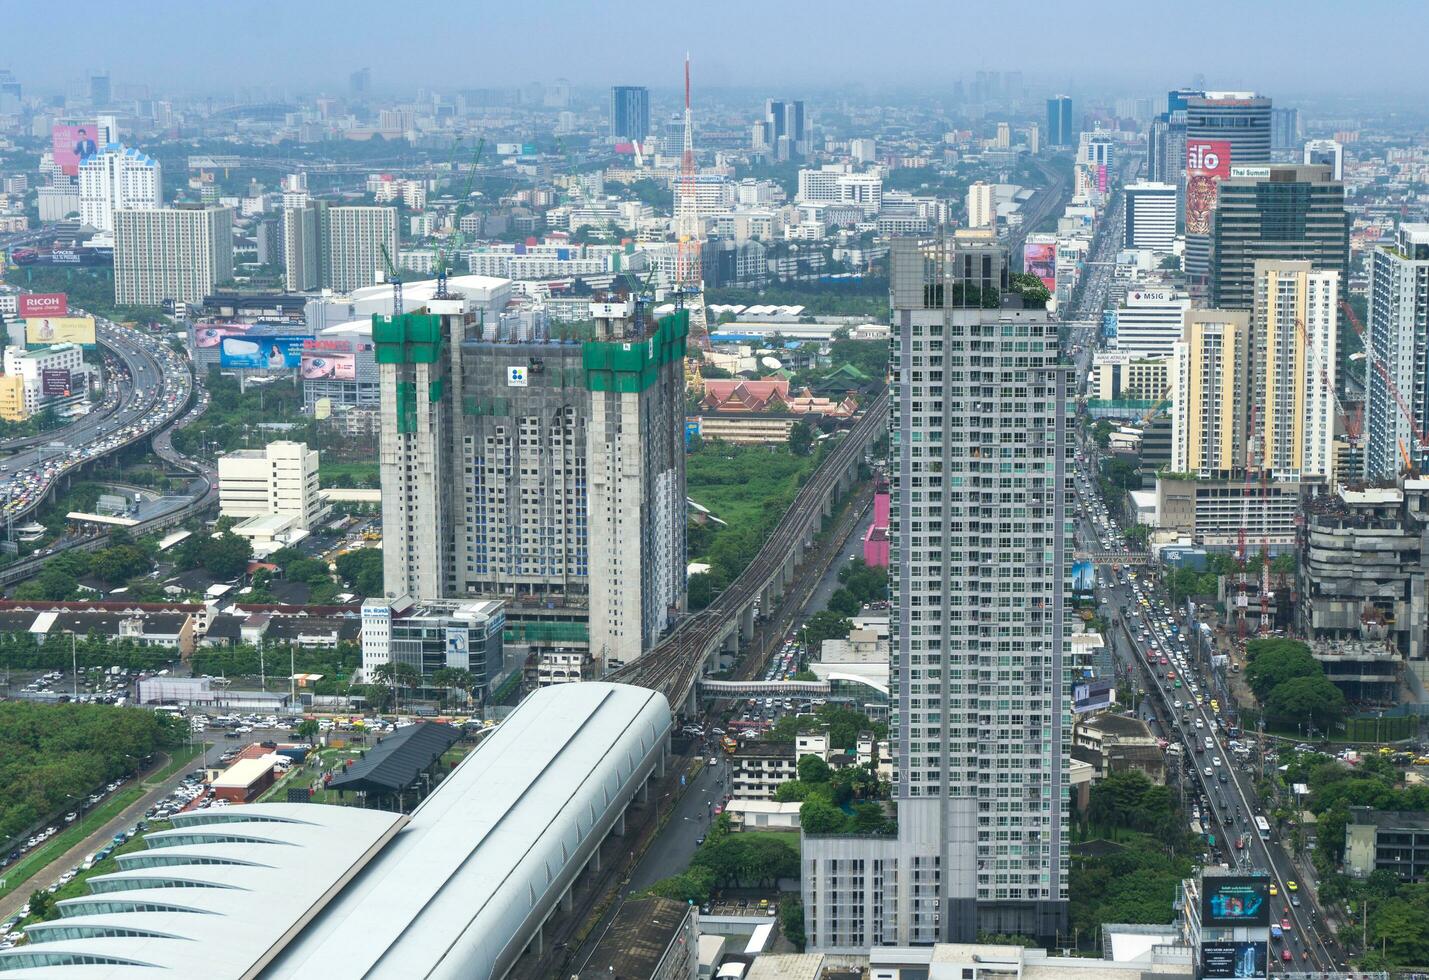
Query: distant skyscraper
{"x": 1329, "y": 153}
{"x": 1177, "y": 98}
{"x": 1210, "y": 372}
{"x": 1284, "y": 129}
{"x": 302, "y": 266}
{"x": 1397, "y": 338}
{"x": 783, "y": 132}
{"x": 1284, "y": 211}
{"x": 979, "y": 666}
{"x": 982, "y": 205}
{"x": 117, "y": 177}
{"x": 171, "y": 254}
{"x": 99, "y": 90}
{"x": 629, "y": 113}
{"x": 1293, "y": 369}
{"x": 1059, "y": 121}
{"x": 1150, "y": 216}
{"x": 1223, "y": 130}
{"x": 359, "y": 83}
{"x": 351, "y": 239}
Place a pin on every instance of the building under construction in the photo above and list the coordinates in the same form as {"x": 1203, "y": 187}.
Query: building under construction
{"x": 1362, "y": 583}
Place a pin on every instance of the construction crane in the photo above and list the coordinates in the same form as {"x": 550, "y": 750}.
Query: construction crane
{"x": 1157, "y": 405}
{"x": 456, "y": 240}
{"x": 394, "y": 280}
{"x": 1421, "y": 435}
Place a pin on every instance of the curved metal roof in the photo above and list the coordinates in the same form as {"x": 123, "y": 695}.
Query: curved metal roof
{"x": 230, "y": 885}
{"x": 454, "y": 893}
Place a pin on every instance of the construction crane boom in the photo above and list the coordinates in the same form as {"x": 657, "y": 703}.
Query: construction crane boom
{"x": 1420, "y": 435}
{"x": 457, "y": 239}
{"x": 394, "y": 280}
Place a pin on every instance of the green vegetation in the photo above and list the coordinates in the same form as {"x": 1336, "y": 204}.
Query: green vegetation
{"x": 52, "y": 756}
{"x": 125, "y": 559}
{"x": 750, "y": 859}
{"x": 747, "y": 487}
{"x": 21, "y": 651}
{"x": 19, "y": 873}
{"x": 358, "y": 475}
{"x": 843, "y": 725}
{"x": 224, "y": 555}
{"x": 791, "y": 920}
{"x": 47, "y": 908}
{"x": 231, "y": 419}
{"x": 1033, "y": 291}
{"x": 89, "y": 288}
{"x": 1291, "y": 685}
{"x": 860, "y": 586}
{"x": 1133, "y": 873}
{"x": 1101, "y": 432}
{"x": 825, "y": 625}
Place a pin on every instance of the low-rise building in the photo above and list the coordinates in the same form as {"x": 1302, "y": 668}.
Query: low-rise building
{"x": 1386, "y": 840}
{"x": 649, "y": 939}
{"x": 465, "y": 634}
{"x": 763, "y": 815}
{"x": 758, "y": 769}
{"x": 1118, "y": 743}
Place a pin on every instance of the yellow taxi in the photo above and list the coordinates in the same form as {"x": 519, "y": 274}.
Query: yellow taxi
{"x": 1292, "y": 886}
{"x": 1215, "y": 706}
{"x": 1273, "y": 889}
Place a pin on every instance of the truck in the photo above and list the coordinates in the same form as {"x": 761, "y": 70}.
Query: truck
{"x": 729, "y": 745}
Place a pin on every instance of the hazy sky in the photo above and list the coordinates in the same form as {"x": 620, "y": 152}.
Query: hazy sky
{"x": 308, "y": 46}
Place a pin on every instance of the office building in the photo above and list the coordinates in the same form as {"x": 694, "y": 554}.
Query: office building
{"x": 1387, "y": 840}
{"x": 176, "y": 254}
{"x": 359, "y": 83}
{"x": 1328, "y": 153}
{"x": 463, "y": 634}
{"x": 302, "y": 266}
{"x": 834, "y": 184}
{"x": 1284, "y": 130}
{"x": 351, "y": 243}
{"x": 1166, "y": 148}
{"x": 629, "y": 113}
{"x": 1282, "y": 212}
{"x": 979, "y": 498}
{"x": 1118, "y": 376}
{"x": 1150, "y": 216}
{"x": 1149, "y": 321}
{"x": 982, "y": 205}
{"x": 1397, "y": 343}
{"x": 100, "y": 92}
{"x": 279, "y": 479}
{"x": 114, "y": 178}
{"x": 47, "y": 375}
{"x": 783, "y": 133}
{"x": 544, "y": 470}
{"x": 1293, "y": 343}
{"x": 1223, "y": 130}
{"x": 863, "y": 150}
{"x": 1059, "y": 121}
{"x": 1211, "y": 385}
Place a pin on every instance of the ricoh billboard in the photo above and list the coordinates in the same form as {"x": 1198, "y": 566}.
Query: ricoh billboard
{"x": 43, "y": 304}
{"x": 1208, "y": 162}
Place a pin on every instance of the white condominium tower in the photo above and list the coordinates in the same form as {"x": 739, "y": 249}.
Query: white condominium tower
{"x": 1398, "y": 340}
{"x": 1293, "y": 369}
{"x": 980, "y": 709}
{"x": 351, "y": 242}
{"x": 171, "y": 254}
{"x": 117, "y": 177}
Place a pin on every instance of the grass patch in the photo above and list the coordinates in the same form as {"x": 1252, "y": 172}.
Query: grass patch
{"x": 335, "y": 474}
{"x": 180, "y": 757}
{"x": 742, "y": 484}
{"x": 18, "y": 875}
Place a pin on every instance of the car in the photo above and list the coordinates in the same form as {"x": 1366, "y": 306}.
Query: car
{"x": 1273, "y": 890}
{"x": 1290, "y": 885}
{"x": 1285, "y": 955}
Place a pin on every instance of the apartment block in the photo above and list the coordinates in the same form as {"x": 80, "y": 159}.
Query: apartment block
{"x": 176, "y": 254}
{"x": 1211, "y": 365}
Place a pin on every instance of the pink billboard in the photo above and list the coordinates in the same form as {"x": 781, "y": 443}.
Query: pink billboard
{"x": 338, "y": 367}
{"x": 72, "y": 145}
{"x": 209, "y": 333}
{"x": 1040, "y": 259}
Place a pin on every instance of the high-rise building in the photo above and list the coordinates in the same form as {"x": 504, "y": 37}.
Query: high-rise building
{"x": 114, "y": 178}
{"x": 1149, "y": 320}
{"x": 1210, "y": 371}
{"x": 982, "y": 205}
{"x": 544, "y": 470}
{"x": 1178, "y": 98}
{"x": 783, "y": 133}
{"x": 171, "y": 254}
{"x": 302, "y": 267}
{"x": 629, "y": 113}
{"x": 1327, "y": 153}
{"x": 351, "y": 242}
{"x": 100, "y": 93}
{"x": 1223, "y": 130}
{"x": 1059, "y": 121}
{"x": 979, "y": 662}
{"x": 1276, "y": 211}
{"x": 1293, "y": 369}
{"x": 1284, "y": 129}
{"x": 1150, "y": 216}
{"x": 1004, "y": 136}
{"x": 359, "y": 83}
{"x": 1096, "y": 153}
{"x": 1397, "y": 341}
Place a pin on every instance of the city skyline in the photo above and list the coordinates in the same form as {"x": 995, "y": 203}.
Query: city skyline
{"x": 886, "y": 50}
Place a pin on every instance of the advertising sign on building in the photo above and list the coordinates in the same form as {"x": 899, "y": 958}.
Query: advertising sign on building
{"x": 516, "y": 376}
{"x": 45, "y": 331}
{"x": 43, "y": 304}
{"x": 1040, "y": 259}
{"x": 54, "y": 382}
{"x": 1208, "y": 162}
{"x": 1093, "y": 695}
{"x": 207, "y": 333}
{"x": 260, "y": 353}
{"x": 72, "y": 145}
{"x": 1235, "y": 900}
{"x": 321, "y": 364}
{"x": 1234, "y": 960}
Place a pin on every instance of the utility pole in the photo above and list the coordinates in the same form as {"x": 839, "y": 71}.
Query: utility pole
{"x": 262, "y": 673}
{"x": 74, "y": 665}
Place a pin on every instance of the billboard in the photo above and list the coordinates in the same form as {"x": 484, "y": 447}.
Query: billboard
{"x": 318, "y": 364}
{"x": 260, "y": 353}
{"x": 207, "y": 333}
{"x": 516, "y": 376}
{"x": 1093, "y": 695}
{"x": 44, "y": 331}
{"x": 1040, "y": 259}
{"x": 1208, "y": 162}
{"x": 1234, "y": 961}
{"x": 54, "y": 382}
{"x": 72, "y": 145}
{"x": 1084, "y": 576}
{"x": 43, "y": 304}
{"x": 1234, "y": 900}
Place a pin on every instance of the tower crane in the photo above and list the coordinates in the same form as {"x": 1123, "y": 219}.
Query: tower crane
{"x": 394, "y": 280}
{"x": 456, "y": 240}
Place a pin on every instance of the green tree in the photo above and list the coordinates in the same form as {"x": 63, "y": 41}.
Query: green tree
{"x": 801, "y": 438}
{"x": 361, "y": 570}
{"x": 844, "y": 602}
{"x": 308, "y": 729}
{"x": 694, "y": 885}
{"x": 825, "y": 625}
{"x": 1314, "y": 699}
{"x": 1271, "y": 662}
{"x": 791, "y": 920}
{"x": 226, "y": 556}
{"x": 817, "y": 817}
{"x": 813, "y": 769}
